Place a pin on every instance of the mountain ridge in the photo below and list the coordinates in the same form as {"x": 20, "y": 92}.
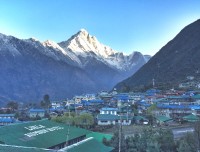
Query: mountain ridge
{"x": 30, "y": 68}
{"x": 173, "y": 63}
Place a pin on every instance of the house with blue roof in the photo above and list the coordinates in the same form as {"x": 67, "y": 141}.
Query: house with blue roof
{"x": 7, "y": 115}
{"x": 107, "y": 110}
{"x": 33, "y": 113}
{"x": 6, "y": 119}
{"x": 177, "y": 109}
{"x": 109, "y": 116}
{"x": 122, "y": 97}
{"x": 92, "y": 102}
{"x": 109, "y": 119}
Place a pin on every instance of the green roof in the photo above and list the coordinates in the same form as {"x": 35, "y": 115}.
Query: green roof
{"x": 9, "y": 148}
{"x": 196, "y": 96}
{"x": 41, "y": 134}
{"x": 99, "y": 136}
{"x": 107, "y": 117}
{"x": 112, "y": 117}
{"x": 163, "y": 118}
{"x": 90, "y": 146}
{"x": 191, "y": 118}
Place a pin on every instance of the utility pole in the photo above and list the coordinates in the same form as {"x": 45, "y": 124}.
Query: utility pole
{"x": 68, "y": 128}
{"x": 153, "y": 81}
{"x": 120, "y": 125}
{"x": 67, "y": 139}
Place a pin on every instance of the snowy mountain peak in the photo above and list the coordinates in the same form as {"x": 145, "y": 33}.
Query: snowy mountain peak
{"x": 84, "y": 44}
{"x": 83, "y": 31}
{"x": 52, "y": 44}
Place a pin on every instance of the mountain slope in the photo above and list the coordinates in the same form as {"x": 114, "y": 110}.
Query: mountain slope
{"x": 173, "y": 63}
{"x": 104, "y": 65}
{"x": 29, "y": 68}
{"x": 27, "y": 74}
{"x": 83, "y": 46}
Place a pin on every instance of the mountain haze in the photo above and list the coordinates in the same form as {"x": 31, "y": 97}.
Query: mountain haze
{"x": 173, "y": 63}
{"x": 30, "y": 68}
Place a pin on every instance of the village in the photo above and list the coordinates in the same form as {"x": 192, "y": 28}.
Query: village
{"x": 153, "y": 107}
{"x": 99, "y": 115}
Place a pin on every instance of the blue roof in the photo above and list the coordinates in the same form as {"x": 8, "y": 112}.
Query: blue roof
{"x": 7, "y": 115}
{"x": 8, "y": 120}
{"x": 96, "y": 101}
{"x": 123, "y": 97}
{"x": 36, "y": 110}
{"x": 109, "y": 109}
{"x": 179, "y": 97}
{"x": 76, "y": 105}
{"x": 86, "y": 103}
{"x": 175, "y": 106}
{"x": 56, "y": 109}
{"x": 143, "y": 103}
{"x": 195, "y": 107}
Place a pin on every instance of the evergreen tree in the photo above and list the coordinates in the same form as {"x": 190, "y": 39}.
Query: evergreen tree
{"x": 187, "y": 143}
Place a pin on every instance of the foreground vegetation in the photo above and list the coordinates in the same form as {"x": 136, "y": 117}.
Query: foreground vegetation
{"x": 156, "y": 140}
{"x": 147, "y": 139}
{"x": 84, "y": 120}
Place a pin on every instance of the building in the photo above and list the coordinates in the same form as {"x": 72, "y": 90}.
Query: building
{"x": 6, "y": 119}
{"x": 163, "y": 120}
{"x": 112, "y": 111}
{"x": 191, "y": 118}
{"x": 47, "y": 135}
{"x": 33, "y": 113}
{"x": 107, "y": 119}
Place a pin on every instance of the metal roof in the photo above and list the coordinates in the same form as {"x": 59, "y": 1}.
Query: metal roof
{"x": 41, "y": 134}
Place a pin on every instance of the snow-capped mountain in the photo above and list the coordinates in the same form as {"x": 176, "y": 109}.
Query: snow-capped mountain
{"x": 84, "y": 45}
{"x": 30, "y": 68}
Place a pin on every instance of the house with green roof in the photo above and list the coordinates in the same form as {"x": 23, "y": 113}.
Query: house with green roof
{"x": 44, "y": 134}
{"x": 191, "y": 118}
{"x": 109, "y": 119}
{"x": 161, "y": 120}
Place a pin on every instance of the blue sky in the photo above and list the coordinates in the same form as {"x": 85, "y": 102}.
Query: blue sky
{"x": 124, "y": 25}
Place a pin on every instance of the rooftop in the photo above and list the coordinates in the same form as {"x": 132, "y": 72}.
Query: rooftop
{"x": 90, "y": 145}
{"x": 109, "y": 109}
{"x": 41, "y": 134}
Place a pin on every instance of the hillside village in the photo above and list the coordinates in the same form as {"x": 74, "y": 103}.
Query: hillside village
{"x": 108, "y": 107}
{"x": 103, "y": 111}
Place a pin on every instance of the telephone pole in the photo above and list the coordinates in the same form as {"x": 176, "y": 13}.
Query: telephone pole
{"x": 153, "y": 82}
{"x": 120, "y": 125}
